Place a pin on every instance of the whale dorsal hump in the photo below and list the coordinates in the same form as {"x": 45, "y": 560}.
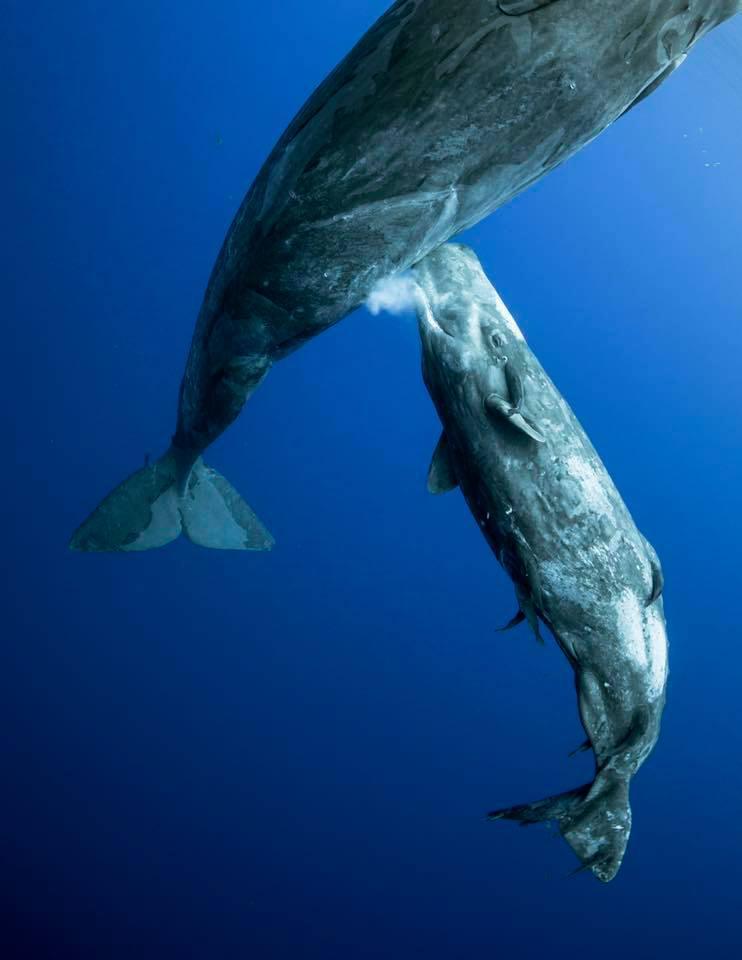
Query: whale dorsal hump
{"x": 497, "y": 406}
{"x": 441, "y": 474}
{"x": 514, "y": 8}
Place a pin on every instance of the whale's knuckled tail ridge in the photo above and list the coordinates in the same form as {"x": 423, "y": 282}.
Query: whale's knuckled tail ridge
{"x": 159, "y": 502}
{"x": 594, "y": 819}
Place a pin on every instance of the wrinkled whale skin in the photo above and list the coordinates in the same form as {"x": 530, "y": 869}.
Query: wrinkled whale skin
{"x": 557, "y": 524}
{"x": 441, "y": 113}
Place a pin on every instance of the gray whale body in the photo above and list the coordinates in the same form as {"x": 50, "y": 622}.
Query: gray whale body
{"x": 558, "y": 526}
{"x": 441, "y": 113}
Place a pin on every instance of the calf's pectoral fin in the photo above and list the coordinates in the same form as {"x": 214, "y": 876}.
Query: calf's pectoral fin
{"x": 658, "y": 584}
{"x": 526, "y": 612}
{"x": 529, "y": 612}
{"x": 532, "y": 618}
{"x": 441, "y": 473}
{"x": 497, "y": 405}
{"x": 518, "y": 618}
{"x": 658, "y": 578}
{"x": 516, "y": 389}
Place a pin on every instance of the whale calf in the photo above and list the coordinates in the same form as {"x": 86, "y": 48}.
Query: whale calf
{"x": 441, "y": 113}
{"x": 557, "y": 524}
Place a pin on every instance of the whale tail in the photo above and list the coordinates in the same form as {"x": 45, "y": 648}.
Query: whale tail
{"x": 171, "y": 496}
{"x": 594, "y": 819}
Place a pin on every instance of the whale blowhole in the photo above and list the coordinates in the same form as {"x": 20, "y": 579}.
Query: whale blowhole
{"x": 396, "y": 294}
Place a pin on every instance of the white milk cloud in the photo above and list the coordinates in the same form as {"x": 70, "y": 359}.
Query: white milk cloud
{"x": 394, "y": 294}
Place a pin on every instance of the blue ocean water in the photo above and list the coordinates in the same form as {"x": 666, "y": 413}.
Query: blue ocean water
{"x": 212, "y": 755}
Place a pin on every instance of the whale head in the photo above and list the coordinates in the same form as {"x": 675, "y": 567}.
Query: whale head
{"x": 465, "y": 328}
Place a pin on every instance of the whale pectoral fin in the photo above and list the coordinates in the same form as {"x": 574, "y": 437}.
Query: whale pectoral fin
{"x": 441, "y": 473}
{"x": 658, "y": 583}
{"x": 583, "y": 748}
{"x": 518, "y": 618}
{"x": 532, "y": 618}
{"x": 658, "y": 578}
{"x": 515, "y": 8}
{"x": 515, "y": 386}
{"x": 657, "y": 82}
{"x": 495, "y": 404}
{"x": 529, "y": 612}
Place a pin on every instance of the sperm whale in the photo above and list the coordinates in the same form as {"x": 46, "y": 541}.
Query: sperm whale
{"x": 558, "y": 526}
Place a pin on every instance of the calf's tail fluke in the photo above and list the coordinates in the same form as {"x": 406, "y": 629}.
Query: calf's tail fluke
{"x": 171, "y": 496}
{"x": 594, "y": 819}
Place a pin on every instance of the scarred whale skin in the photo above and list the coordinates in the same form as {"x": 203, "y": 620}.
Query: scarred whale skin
{"x": 557, "y": 524}
{"x": 441, "y": 113}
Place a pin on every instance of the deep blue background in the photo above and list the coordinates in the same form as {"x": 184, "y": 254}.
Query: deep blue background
{"x": 212, "y": 755}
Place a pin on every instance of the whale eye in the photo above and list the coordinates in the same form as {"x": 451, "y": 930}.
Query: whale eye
{"x": 496, "y": 340}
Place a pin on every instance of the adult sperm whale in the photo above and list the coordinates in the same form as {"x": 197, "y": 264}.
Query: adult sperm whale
{"x": 441, "y": 113}
{"x": 557, "y": 524}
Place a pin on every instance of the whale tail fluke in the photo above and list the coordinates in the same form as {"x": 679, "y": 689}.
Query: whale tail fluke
{"x": 594, "y": 819}
{"x": 159, "y": 502}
